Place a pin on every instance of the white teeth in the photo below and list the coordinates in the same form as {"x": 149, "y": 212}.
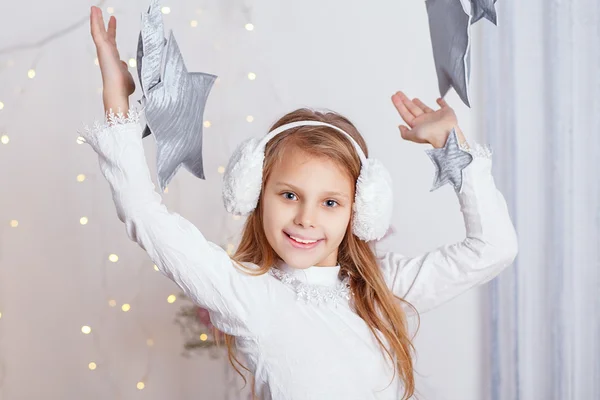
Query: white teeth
{"x": 303, "y": 241}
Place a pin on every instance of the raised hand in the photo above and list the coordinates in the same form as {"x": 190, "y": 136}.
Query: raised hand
{"x": 117, "y": 81}
{"x": 426, "y": 125}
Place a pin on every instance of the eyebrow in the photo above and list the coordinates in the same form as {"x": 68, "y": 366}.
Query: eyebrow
{"x": 338, "y": 194}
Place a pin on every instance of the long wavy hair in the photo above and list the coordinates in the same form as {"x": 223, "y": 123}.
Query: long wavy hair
{"x": 373, "y": 301}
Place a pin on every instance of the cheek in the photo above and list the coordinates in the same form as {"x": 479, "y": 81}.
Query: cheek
{"x": 267, "y": 214}
{"x": 273, "y": 213}
{"x": 339, "y": 224}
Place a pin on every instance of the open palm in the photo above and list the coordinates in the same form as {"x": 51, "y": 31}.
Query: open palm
{"x": 425, "y": 125}
{"x": 116, "y": 78}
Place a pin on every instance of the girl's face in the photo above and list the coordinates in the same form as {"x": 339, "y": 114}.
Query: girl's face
{"x": 306, "y": 206}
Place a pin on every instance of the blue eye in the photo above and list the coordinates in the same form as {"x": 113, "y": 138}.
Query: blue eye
{"x": 289, "y": 195}
{"x": 331, "y": 203}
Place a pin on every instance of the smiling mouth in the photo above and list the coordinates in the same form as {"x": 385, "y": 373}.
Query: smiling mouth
{"x": 302, "y": 243}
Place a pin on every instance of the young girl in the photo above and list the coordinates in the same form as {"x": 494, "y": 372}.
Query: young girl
{"x": 309, "y": 308}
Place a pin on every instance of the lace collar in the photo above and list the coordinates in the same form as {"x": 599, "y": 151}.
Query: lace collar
{"x": 314, "y": 285}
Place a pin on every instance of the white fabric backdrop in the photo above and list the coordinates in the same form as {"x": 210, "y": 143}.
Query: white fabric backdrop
{"x": 542, "y": 91}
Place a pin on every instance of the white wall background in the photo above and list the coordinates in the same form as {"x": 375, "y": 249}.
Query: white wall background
{"x": 349, "y": 56}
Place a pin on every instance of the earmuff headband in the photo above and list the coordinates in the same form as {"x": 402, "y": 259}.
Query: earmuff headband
{"x": 291, "y": 125}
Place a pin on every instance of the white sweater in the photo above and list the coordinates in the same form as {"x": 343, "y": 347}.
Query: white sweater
{"x": 298, "y": 350}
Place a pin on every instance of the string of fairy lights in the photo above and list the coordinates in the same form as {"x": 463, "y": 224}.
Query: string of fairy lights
{"x": 93, "y": 328}
{"x": 13, "y": 221}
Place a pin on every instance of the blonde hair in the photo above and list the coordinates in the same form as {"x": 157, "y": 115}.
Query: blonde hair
{"x": 372, "y": 299}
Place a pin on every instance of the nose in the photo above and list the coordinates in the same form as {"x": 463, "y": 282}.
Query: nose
{"x": 305, "y": 216}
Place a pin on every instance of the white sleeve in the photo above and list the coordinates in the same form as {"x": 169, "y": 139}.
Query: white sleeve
{"x": 202, "y": 269}
{"x": 490, "y": 246}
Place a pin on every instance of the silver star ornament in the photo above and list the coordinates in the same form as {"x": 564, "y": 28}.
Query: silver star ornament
{"x": 450, "y": 28}
{"x": 484, "y": 9}
{"x": 450, "y": 38}
{"x": 173, "y": 99}
{"x": 449, "y": 162}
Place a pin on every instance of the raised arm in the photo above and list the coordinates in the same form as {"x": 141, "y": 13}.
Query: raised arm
{"x": 200, "y": 268}
{"x": 490, "y": 245}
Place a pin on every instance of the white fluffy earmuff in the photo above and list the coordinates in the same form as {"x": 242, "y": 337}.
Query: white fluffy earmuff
{"x": 373, "y": 201}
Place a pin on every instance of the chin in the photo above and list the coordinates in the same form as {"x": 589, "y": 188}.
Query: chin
{"x": 298, "y": 264}
{"x": 299, "y": 259}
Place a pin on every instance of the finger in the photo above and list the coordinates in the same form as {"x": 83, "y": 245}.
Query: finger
{"x": 93, "y": 29}
{"x": 112, "y": 30}
{"x": 404, "y": 112}
{"x": 422, "y": 106}
{"x": 404, "y": 132}
{"x": 97, "y": 22}
{"x": 442, "y": 102}
{"x": 416, "y": 111}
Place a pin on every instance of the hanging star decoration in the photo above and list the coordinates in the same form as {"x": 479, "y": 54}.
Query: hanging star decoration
{"x": 450, "y": 28}
{"x": 173, "y": 99}
{"x": 449, "y": 162}
{"x": 484, "y": 9}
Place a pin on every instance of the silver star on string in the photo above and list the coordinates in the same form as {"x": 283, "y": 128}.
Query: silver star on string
{"x": 484, "y": 9}
{"x": 449, "y": 163}
{"x": 450, "y": 37}
{"x": 173, "y": 99}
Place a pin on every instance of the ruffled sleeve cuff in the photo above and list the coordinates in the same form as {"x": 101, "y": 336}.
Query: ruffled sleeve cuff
{"x": 95, "y": 134}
